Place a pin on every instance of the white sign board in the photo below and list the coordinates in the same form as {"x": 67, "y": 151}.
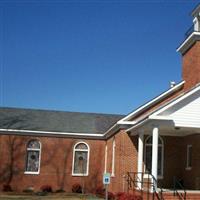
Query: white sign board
{"x": 106, "y": 178}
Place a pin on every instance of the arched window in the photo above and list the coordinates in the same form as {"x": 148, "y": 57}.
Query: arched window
{"x": 80, "y": 159}
{"x": 148, "y": 155}
{"x": 33, "y": 157}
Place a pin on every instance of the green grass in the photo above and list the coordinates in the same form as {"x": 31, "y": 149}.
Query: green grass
{"x": 63, "y": 196}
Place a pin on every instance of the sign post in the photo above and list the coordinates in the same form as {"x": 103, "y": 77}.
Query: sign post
{"x": 106, "y": 182}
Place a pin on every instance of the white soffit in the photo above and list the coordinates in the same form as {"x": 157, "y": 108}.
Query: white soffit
{"x": 184, "y": 106}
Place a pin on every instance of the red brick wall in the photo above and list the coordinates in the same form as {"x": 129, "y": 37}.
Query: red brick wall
{"x": 172, "y": 160}
{"x": 125, "y": 159}
{"x": 191, "y": 66}
{"x": 56, "y": 163}
{"x": 191, "y": 177}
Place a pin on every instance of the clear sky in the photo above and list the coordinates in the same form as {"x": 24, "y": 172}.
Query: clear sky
{"x": 89, "y": 56}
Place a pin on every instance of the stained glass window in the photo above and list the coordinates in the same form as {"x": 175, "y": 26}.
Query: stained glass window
{"x": 80, "y": 160}
{"x": 33, "y": 156}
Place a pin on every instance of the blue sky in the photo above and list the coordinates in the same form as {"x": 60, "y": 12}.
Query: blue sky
{"x": 89, "y": 56}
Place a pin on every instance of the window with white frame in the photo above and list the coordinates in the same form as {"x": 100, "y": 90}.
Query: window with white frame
{"x": 80, "y": 159}
{"x": 148, "y": 155}
{"x": 189, "y": 157}
{"x": 33, "y": 157}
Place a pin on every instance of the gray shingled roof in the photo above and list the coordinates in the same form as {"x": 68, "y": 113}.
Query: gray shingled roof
{"x": 56, "y": 121}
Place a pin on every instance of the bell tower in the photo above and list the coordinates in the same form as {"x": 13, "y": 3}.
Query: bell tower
{"x": 190, "y": 51}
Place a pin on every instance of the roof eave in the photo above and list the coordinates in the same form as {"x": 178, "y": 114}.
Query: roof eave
{"x": 188, "y": 42}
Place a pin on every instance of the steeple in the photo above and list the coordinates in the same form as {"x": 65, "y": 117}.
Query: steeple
{"x": 196, "y": 20}
{"x": 190, "y": 51}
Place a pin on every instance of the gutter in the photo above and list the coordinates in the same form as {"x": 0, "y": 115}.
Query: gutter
{"x": 52, "y": 133}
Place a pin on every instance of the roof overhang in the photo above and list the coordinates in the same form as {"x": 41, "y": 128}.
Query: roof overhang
{"x": 164, "y": 122}
{"x": 186, "y": 44}
{"x": 51, "y": 133}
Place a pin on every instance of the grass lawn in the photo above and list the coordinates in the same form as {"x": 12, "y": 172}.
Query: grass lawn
{"x": 60, "y": 196}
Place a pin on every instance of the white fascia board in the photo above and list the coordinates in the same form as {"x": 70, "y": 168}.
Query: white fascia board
{"x": 62, "y": 134}
{"x": 152, "y": 102}
{"x": 186, "y": 126}
{"x": 160, "y": 117}
{"x": 42, "y": 133}
{"x": 188, "y": 42}
{"x": 175, "y": 102}
{"x": 126, "y": 122}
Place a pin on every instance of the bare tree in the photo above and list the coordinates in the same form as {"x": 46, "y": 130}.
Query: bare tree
{"x": 12, "y": 145}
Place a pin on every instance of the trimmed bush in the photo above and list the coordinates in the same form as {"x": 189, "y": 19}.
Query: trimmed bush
{"x": 76, "y": 188}
{"x": 29, "y": 190}
{"x": 111, "y": 196}
{"x": 126, "y": 196}
{"x": 60, "y": 191}
{"x": 46, "y": 188}
{"x": 101, "y": 193}
{"x": 7, "y": 188}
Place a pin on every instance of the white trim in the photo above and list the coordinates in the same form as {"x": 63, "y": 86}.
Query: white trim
{"x": 150, "y": 103}
{"x": 188, "y": 42}
{"x": 106, "y": 154}
{"x": 137, "y": 125}
{"x": 112, "y": 127}
{"x": 140, "y": 158}
{"x": 126, "y": 122}
{"x": 174, "y": 102}
{"x": 88, "y": 156}
{"x": 53, "y": 133}
{"x": 113, "y": 158}
{"x": 154, "y": 164}
{"x": 154, "y": 114}
{"x": 32, "y": 149}
{"x": 31, "y": 173}
{"x": 189, "y": 146}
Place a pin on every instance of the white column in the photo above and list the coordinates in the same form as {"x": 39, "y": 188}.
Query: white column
{"x": 113, "y": 159}
{"x": 155, "y": 153}
{"x": 140, "y": 157}
{"x": 106, "y": 153}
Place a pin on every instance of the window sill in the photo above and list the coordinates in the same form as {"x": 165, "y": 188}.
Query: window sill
{"x": 79, "y": 174}
{"x": 33, "y": 173}
{"x": 188, "y": 168}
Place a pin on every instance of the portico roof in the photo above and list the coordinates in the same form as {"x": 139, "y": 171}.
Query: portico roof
{"x": 182, "y": 112}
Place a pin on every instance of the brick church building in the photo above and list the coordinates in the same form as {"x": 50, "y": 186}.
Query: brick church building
{"x": 160, "y": 139}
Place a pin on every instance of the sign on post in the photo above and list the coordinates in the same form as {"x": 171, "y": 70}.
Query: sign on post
{"x": 106, "y": 182}
{"x": 106, "y": 178}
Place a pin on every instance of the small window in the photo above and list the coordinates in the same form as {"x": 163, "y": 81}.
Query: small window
{"x": 189, "y": 157}
{"x": 80, "y": 159}
{"x": 33, "y": 157}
